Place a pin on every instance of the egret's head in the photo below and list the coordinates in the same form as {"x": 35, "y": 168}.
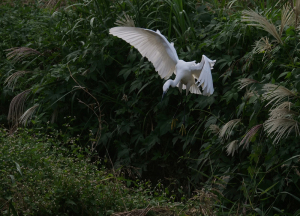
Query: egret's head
{"x": 166, "y": 87}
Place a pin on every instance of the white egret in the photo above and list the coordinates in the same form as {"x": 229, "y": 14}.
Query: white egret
{"x": 163, "y": 56}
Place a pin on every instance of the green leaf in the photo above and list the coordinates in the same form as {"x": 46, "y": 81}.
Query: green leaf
{"x": 11, "y": 206}
{"x": 13, "y": 181}
{"x": 269, "y": 188}
{"x": 297, "y": 198}
{"x": 18, "y": 168}
{"x": 70, "y": 202}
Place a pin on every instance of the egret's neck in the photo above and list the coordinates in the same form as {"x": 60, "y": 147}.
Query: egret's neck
{"x": 169, "y": 83}
{"x": 174, "y": 82}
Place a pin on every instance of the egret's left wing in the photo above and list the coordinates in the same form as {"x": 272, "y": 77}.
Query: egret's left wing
{"x": 152, "y": 45}
{"x": 202, "y": 73}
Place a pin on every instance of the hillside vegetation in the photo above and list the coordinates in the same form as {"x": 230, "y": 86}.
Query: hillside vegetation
{"x": 98, "y": 99}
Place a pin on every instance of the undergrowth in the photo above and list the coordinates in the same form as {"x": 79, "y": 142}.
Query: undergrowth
{"x": 39, "y": 175}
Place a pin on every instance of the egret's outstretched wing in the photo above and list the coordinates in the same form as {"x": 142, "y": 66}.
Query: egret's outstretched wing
{"x": 202, "y": 72}
{"x": 151, "y": 44}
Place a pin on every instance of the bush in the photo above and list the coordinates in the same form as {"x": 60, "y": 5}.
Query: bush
{"x": 241, "y": 144}
{"x": 39, "y": 176}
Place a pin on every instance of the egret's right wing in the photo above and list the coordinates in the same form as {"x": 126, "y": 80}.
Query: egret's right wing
{"x": 202, "y": 72}
{"x": 151, "y": 44}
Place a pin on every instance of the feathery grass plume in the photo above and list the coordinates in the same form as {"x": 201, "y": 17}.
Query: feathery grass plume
{"x": 19, "y": 53}
{"x": 262, "y": 46}
{"x": 125, "y": 21}
{"x": 214, "y": 128}
{"x": 285, "y": 105}
{"x": 296, "y": 10}
{"x": 232, "y": 147}
{"x": 286, "y": 17}
{"x": 28, "y": 114}
{"x": 246, "y": 81}
{"x": 260, "y": 21}
{"x": 12, "y": 79}
{"x": 16, "y": 106}
{"x": 249, "y": 135}
{"x": 228, "y": 127}
{"x": 280, "y": 128}
{"x": 276, "y": 94}
{"x": 279, "y": 112}
{"x": 249, "y": 94}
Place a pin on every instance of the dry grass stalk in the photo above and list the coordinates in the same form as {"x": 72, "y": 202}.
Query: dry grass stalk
{"x": 96, "y": 110}
{"x": 228, "y": 127}
{"x": 19, "y": 53}
{"x": 245, "y": 82}
{"x": 260, "y": 21}
{"x": 276, "y": 94}
{"x": 125, "y": 21}
{"x": 232, "y": 147}
{"x": 12, "y": 79}
{"x": 16, "y": 107}
{"x": 206, "y": 200}
{"x": 28, "y": 114}
{"x": 280, "y": 128}
{"x": 214, "y": 128}
{"x": 249, "y": 135}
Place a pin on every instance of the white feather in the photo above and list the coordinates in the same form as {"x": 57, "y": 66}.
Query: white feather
{"x": 202, "y": 72}
{"x": 152, "y": 45}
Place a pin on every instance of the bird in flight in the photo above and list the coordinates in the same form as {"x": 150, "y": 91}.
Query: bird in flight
{"x": 162, "y": 54}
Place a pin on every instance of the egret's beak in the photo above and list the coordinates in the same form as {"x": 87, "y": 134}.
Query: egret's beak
{"x": 163, "y": 95}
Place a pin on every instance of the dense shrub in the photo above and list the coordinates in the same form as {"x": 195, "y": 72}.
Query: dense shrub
{"x": 243, "y": 144}
{"x": 39, "y": 176}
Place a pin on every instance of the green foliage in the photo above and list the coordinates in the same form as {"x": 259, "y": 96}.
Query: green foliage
{"x": 254, "y": 169}
{"x": 39, "y": 176}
